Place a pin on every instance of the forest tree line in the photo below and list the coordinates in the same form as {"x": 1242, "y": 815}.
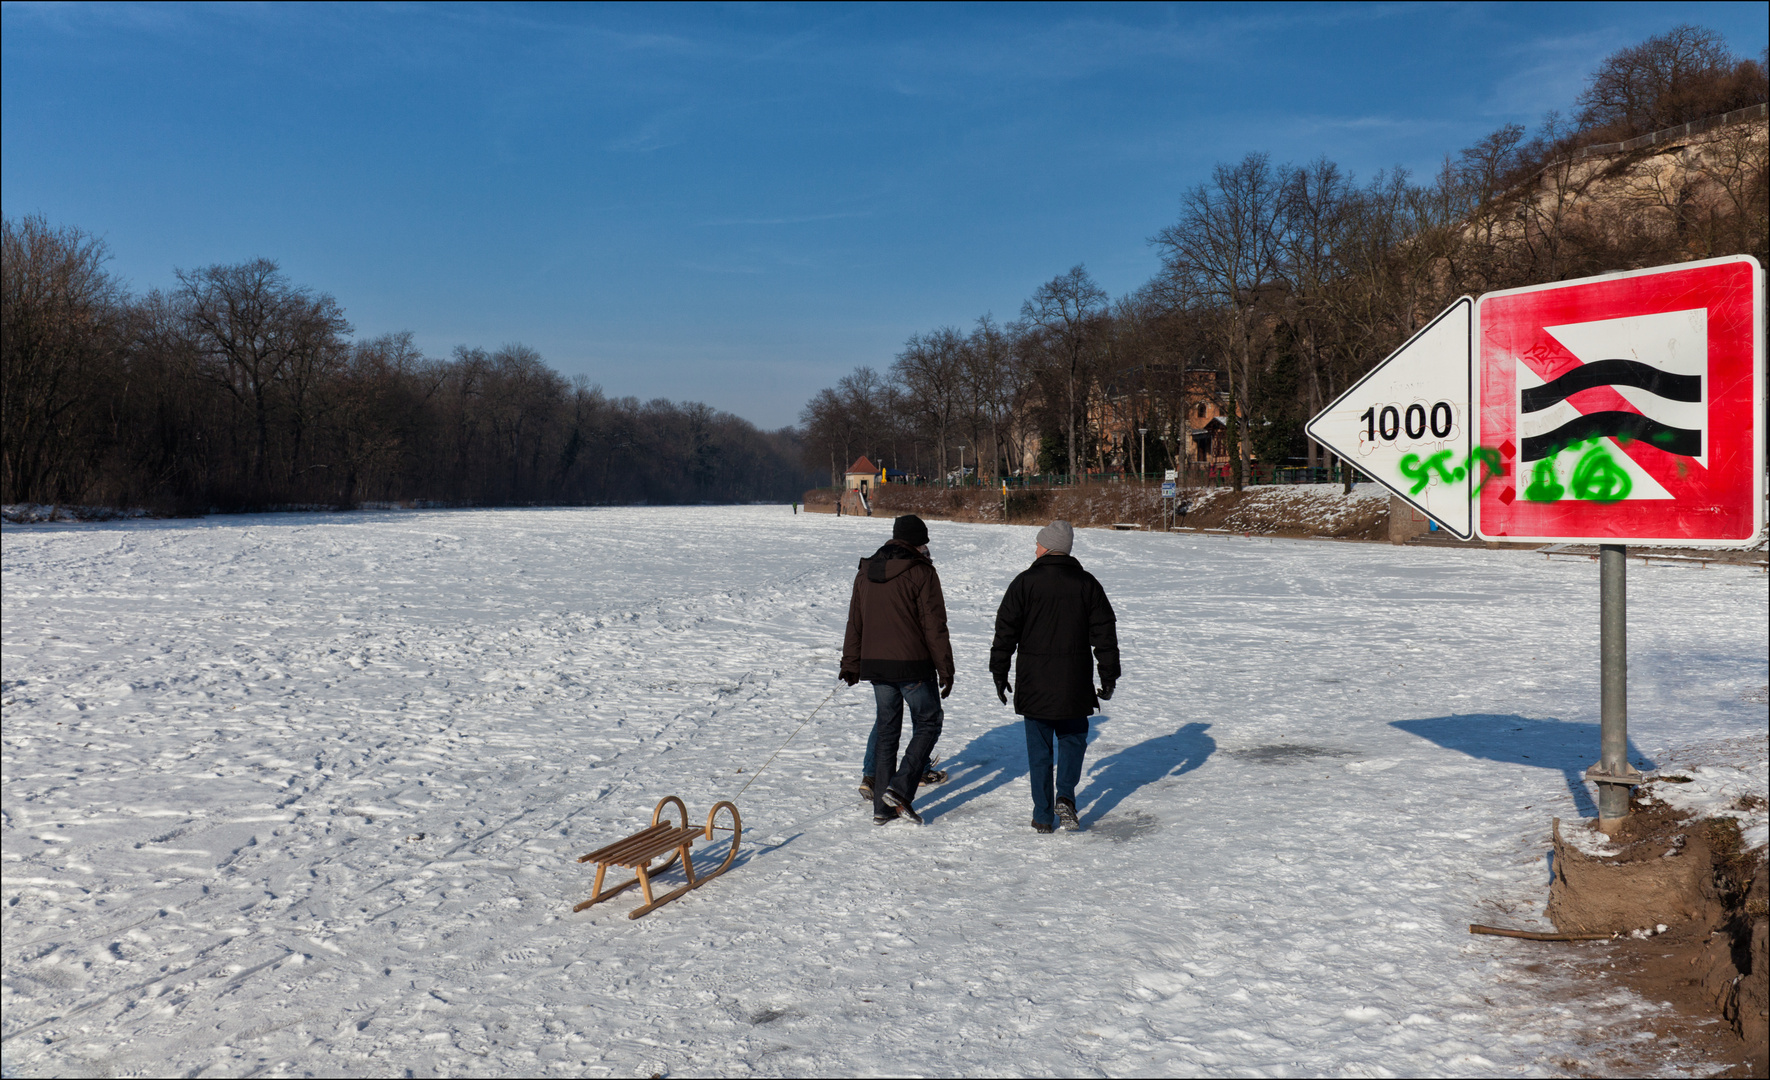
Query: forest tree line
{"x": 239, "y": 389}
{"x": 1280, "y": 285}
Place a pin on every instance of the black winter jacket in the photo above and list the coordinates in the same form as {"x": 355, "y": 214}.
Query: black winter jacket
{"x": 1053, "y": 613}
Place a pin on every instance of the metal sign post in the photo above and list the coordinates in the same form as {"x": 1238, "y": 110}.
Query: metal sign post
{"x": 1613, "y": 774}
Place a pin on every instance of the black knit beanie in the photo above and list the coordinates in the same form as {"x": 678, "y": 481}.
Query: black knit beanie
{"x": 911, "y": 530}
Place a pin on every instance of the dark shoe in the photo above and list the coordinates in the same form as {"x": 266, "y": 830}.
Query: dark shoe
{"x": 933, "y": 776}
{"x": 866, "y": 788}
{"x": 886, "y": 818}
{"x": 1066, "y": 816}
{"x": 1041, "y": 827}
{"x": 902, "y": 806}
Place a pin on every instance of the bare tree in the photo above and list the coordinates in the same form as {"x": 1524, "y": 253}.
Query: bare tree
{"x": 991, "y": 384}
{"x": 930, "y": 370}
{"x": 867, "y": 402}
{"x": 1737, "y": 162}
{"x": 59, "y": 314}
{"x": 255, "y": 329}
{"x": 1683, "y": 74}
{"x": 1313, "y": 218}
{"x": 829, "y": 432}
{"x": 1065, "y": 308}
{"x": 1223, "y": 251}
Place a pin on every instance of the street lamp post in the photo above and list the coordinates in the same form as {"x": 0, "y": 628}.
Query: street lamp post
{"x": 1143, "y": 455}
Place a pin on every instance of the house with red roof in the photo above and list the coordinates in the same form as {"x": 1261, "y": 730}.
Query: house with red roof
{"x": 863, "y": 475}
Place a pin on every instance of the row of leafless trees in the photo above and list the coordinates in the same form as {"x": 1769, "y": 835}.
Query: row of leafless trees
{"x": 239, "y": 389}
{"x": 1280, "y": 285}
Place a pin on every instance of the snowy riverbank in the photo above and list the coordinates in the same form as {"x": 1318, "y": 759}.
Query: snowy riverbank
{"x": 302, "y": 792}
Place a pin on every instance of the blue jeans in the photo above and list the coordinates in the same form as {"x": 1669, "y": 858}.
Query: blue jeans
{"x": 887, "y": 771}
{"x": 1071, "y": 737}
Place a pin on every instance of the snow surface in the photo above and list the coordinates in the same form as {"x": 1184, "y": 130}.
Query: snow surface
{"x": 1717, "y": 791}
{"x": 302, "y": 793}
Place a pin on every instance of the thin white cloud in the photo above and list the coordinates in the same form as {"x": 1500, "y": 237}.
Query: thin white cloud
{"x": 791, "y": 219}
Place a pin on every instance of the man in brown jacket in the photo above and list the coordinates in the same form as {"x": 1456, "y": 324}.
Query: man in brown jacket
{"x": 897, "y": 640}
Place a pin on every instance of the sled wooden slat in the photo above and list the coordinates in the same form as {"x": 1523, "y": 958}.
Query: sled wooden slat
{"x": 637, "y": 852}
{"x": 642, "y": 847}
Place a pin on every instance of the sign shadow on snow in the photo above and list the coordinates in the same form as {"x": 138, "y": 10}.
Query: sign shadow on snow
{"x": 1566, "y": 745}
{"x": 1113, "y": 778}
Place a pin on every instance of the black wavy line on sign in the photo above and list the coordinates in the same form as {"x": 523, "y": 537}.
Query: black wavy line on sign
{"x": 1637, "y": 427}
{"x": 1614, "y": 373}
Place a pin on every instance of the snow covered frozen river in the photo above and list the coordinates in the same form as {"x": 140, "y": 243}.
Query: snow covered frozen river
{"x": 303, "y": 794}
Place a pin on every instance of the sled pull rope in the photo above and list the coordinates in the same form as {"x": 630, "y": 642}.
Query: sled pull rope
{"x": 783, "y": 746}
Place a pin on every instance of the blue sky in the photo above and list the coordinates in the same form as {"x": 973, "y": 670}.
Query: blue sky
{"x": 734, "y": 204}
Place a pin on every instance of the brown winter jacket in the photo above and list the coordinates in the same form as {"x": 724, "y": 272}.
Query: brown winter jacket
{"x": 897, "y": 619}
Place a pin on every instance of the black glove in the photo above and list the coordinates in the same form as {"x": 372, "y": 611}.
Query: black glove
{"x": 1105, "y": 690}
{"x": 849, "y": 677}
{"x": 1002, "y": 688}
{"x": 946, "y": 686}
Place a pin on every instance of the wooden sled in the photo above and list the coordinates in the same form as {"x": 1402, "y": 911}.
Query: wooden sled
{"x": 637, "y": 852}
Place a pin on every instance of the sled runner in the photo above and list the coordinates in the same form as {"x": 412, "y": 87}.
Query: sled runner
{"x": 637, "y": 852}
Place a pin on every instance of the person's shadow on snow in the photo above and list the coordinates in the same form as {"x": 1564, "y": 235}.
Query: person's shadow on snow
{"x": 1112, "y": 779}
{"x": 992, "y": 759}
{"x": 1565, "y": 745}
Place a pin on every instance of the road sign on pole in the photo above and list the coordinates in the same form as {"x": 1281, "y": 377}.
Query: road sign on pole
{"x": 1615, "y": 409}
{"x": 1407, "y": 424}
{"x": 1626, "y": 408}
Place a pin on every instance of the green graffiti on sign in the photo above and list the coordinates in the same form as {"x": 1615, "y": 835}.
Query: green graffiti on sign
{"x": 1420, "y": 470}
{"x": 1545, "y": 486}
{"x": 1488, "y": 457}
{"x": 1597, "y": 476}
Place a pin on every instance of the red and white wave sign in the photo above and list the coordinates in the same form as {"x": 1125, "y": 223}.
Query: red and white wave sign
{"x": 1626, "y": 407}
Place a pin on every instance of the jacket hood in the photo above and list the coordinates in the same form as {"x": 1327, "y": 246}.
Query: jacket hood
{"x": 891, "y": 560}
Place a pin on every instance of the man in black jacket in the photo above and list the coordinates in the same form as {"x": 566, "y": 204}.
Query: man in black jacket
{"x": 1053, "y": 613}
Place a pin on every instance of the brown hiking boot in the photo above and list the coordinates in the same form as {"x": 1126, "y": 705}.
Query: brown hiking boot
{"x": 1066, "y": 816}
{"x": 902, "y": 805}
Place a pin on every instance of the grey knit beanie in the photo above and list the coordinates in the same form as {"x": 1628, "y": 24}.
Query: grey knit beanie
{"x": 1058, "y": 536}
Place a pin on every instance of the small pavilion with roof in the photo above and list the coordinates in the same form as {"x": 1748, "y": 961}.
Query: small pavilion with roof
{"x": 863, "y": 475}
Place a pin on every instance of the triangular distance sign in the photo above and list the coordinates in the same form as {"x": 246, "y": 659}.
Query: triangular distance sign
{"x": 1407, "y": 423}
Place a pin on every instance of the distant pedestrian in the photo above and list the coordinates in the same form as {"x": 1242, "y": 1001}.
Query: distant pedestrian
{"x": 1053, "y": 613}
{"x": 897, "y": 640}
{"x": 1185, "y": 505}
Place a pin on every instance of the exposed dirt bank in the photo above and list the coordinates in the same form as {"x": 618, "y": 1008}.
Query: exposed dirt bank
{"x": 1690, "y": 905}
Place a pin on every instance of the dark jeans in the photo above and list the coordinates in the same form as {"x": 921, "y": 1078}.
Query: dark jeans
{"x": 1071, "y": 737}
{"x": 872, "y": 755}
{"x": 888, "y": 772}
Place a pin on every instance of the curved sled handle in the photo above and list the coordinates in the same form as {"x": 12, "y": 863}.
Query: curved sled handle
{"x": 681, "y": 810}
{"x": 736, "y": 829}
